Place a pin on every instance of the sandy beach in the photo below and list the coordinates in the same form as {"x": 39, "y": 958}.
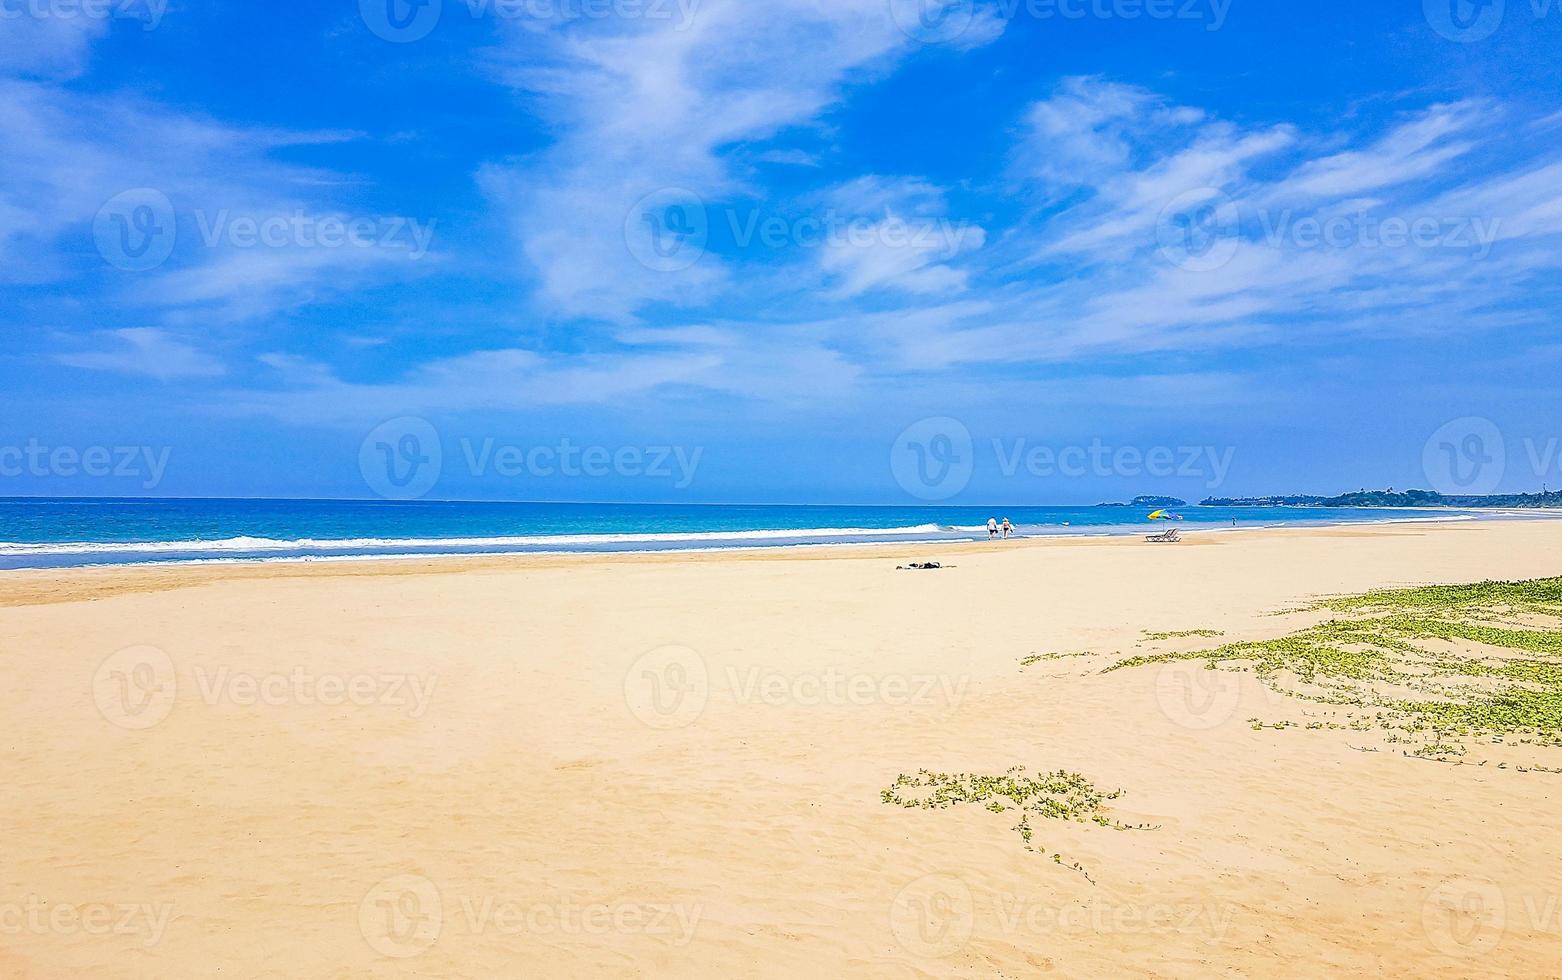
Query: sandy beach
{"x": 672, "y": 765}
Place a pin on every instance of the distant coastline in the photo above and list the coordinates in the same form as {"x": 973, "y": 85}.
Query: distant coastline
{"x": 1398, "y": 499}
{"x": 1147, "y": 501}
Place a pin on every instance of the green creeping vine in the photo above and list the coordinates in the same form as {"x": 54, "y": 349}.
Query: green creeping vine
{"x": 1060, "y": 795}
{"x": 1440, "y": 664}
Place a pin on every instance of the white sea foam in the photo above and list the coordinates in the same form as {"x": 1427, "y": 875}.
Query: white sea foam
{"x": 14, "y": 554}
{"x": 252, "y": 544}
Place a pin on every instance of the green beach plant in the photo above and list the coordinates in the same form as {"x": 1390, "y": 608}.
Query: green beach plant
{"x": 1059, "y": 795}
{"x": 1435, "y": 666}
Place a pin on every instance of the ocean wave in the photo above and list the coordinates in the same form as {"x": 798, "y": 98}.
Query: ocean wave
{"x": 427, "y": 555}
{"x": 254, "y": 544}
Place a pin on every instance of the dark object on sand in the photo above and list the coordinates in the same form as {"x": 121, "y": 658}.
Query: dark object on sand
{"x": 919, "y": 566}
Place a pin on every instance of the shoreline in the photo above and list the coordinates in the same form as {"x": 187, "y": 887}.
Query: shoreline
{"x": 1046, "y": 533}
{"x": 27, "y": 586}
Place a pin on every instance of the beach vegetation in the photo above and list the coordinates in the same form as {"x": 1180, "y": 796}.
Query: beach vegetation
{"x": 1434, "y": 667}
{"x": 1059, "y": 795}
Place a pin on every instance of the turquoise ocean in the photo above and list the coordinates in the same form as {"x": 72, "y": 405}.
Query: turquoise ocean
{"x": 40, "y": 532}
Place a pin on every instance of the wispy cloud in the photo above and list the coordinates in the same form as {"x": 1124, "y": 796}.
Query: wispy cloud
{"x": 49, "y": 47}
{"x": 642, "y": 110}
{"x": 1117, "y": 231}
{"x": 145, "y": 351}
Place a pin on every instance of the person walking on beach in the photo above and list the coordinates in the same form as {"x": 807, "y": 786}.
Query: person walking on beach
{"x": 992, "y": 528}
{"x": 1007, "y": 527}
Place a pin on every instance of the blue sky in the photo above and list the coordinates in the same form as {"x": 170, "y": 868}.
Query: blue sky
{"x": 1305, "y": 247}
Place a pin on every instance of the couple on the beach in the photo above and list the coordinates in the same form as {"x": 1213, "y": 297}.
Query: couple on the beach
{"x": 993, "y": 528}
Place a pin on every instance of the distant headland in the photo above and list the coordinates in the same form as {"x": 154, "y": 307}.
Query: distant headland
{"x": 1149, "y": 502}
{"x": 1395, "y": 498}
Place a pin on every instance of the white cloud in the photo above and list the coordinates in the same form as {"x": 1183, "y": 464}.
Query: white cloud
{"x": 1101, "y": 284}
{"x": 47, "y": 46}
{"x": 146, "y": 351}
{"x": 1417, "y": 148}
{"x": 893, "y": 233}
{"x": 655, "y": 107}
{"x": 68, "y": 152}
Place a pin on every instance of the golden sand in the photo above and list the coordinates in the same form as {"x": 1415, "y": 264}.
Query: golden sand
{"x": 671, "y": 765}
